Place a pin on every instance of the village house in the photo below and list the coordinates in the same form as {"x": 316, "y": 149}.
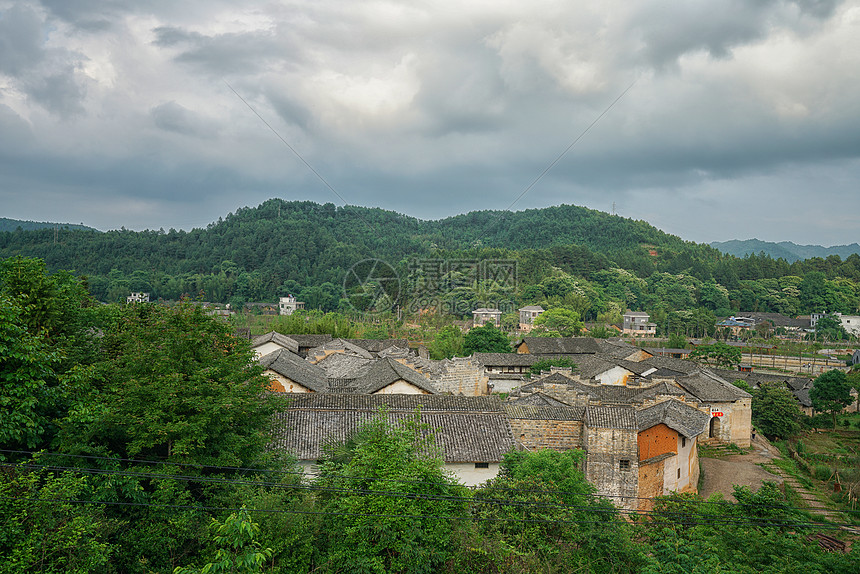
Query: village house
{"x": 640, "y": 442}
{"x": 637, "y": 324}
{"x": 289, "y": 305}
{"x": 528, "y": 314}
{"x": 473, "y": 433}
{"x": 482, "y": 316}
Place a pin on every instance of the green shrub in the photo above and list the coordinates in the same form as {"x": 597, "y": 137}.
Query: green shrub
{"x": 822, "y": 472}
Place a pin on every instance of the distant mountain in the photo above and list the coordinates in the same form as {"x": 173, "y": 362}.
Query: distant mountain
{"x": 787, "y": 250}
{"x": 13, "y": 224}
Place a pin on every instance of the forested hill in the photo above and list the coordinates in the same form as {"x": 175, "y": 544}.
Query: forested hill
{"x": 302, "y": 240}
{"x": 787, "y": 250}
{"x": 14, "y": 224}
{"x": 279, "y": 247}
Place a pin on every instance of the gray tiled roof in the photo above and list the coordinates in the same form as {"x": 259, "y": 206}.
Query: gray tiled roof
{"x": 385, "y": 371}
{"x": 340, "y": 345}
{"x": 310, "y": 341}
{"x": 464, "y": 433}
{"x": 404, "y": 403}
{"x": 561, "y": 345}
{"x": 544, "y": 413}
{"x": 611, "y": 417}
{"x": 505, "y": 359}
{"x": 295, "y": 368}
{"x": 676, "y": 415}
{"x": 344, "y": 366}
{"x": 662, "y": 388}
{"x": 537, "y": 399}
{"x": 377, "y": 345}
{"x": 707, "y": 386}
{"x": 277, "y": 338}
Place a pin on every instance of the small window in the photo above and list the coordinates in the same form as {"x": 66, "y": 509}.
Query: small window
{"x": 482, "y": 465}
{"x": 624, "y": 464}
{"x": 679, "y": 473}
{"x": 683, "y": 441}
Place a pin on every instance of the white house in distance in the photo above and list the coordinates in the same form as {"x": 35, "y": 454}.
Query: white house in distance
{"x": 481, "y": 316}
{"x": 636, "y": 324}
{"x": 528, "y": 315}
{"x": 288, "y": 304}
{"x": 137, "y": 298}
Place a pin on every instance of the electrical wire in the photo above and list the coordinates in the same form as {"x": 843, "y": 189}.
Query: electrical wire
{"x": 353, "y": 478}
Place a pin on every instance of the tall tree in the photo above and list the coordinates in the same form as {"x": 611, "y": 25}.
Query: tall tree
{"x": 831, "y": 393}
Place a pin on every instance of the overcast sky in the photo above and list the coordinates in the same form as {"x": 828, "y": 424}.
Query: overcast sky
{"x": 743, "y": 119}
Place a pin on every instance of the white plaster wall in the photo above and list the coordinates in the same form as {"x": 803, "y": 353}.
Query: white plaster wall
{"x": 467, "y": 474}
{"x": 267, "y": 348}
{"x": 290, "y": 386}
{"x": 401, "y": 387}
{"x": 684, "y": 461}
{"x": 616, "y": 376}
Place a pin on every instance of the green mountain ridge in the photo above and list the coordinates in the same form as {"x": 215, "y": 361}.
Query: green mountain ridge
{"x": 7, "y": 224}
{"x": 787, "y": 250}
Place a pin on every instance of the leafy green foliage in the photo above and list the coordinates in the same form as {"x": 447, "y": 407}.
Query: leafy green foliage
{"x": 391, "y": 499}
{"x": 27, "y": 381}
{"x": 238, "y": 551}
{"x": 831, "y": 393}
{"x": 447, "y": 343}
{"x": 44, "y": 532}
{"x": 539, "y": 515}
{"x": 545, "y": 364}
{"x": 775, "y": 411}
{"x": 563, "y": 321}
{"x": 486, "y": 339}
{"x": 717, "y": 354}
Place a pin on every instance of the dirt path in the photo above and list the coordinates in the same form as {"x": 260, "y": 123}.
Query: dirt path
{"x": 720, "y": 475}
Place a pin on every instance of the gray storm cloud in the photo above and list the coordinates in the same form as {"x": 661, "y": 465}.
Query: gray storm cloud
{"x": 435, "y": 108}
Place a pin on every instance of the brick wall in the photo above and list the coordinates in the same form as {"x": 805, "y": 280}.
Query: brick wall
{"x": 461, "y": 377}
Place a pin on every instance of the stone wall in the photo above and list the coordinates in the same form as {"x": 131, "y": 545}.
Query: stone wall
{"x": 555, "y": 435}
{"x": 612, "y": 464}
{"x": 461, "y": 376}
{"x": 736, "y": 423}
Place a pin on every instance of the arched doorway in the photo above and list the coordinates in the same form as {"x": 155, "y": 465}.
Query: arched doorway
{"x": 714, "y": 429}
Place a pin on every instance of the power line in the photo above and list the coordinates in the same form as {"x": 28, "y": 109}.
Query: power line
{"x": 471, "y": 518}
{"x": 308, "y": 487}
{"x": 396, "y": 494}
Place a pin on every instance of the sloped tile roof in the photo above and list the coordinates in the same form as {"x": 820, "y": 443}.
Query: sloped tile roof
{"x": 340, "y": 345}
{"x": 537, "y": 399}
{"x": 277, "y": 338}
{"x": 466, "y": 430}
{"x": 543, "y": 413}
{"x": 505, "y": 359}
{"x": 310, "y": 341}
{"x": 707, "y": 386}
{"x": 611, "y": 417}
{"x": 400, "y": 403}
{"x": 377, "y": 345}
{"x": 295, "y": 368}
{"x": 561, "y": 345}
{"x": 676, "y": 415}
{"x": 385, "y": 371}
{"x": 344, "y": 366}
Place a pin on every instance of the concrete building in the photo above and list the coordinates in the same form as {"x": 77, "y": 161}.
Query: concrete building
{"x": 482, "y": 316}
{"x": 287, "y": 305}
{"x": 528, "y": 314}
{"x": 637, "y": 324}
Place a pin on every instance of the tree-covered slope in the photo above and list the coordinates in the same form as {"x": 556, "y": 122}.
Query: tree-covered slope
{"x": 7, "y": 224}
